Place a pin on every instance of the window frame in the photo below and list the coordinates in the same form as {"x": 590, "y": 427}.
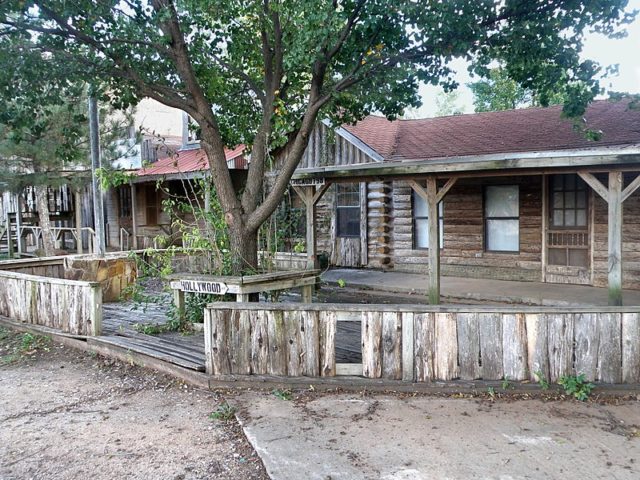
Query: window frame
{"x": 486, "y": 219}
{"x": 125, "y": 210}
{"x": 339, "y": 208}
{"x": 415, "y": 217}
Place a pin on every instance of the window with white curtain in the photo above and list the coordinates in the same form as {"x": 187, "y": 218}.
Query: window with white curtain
{"x": 421, "y": 222}
{"x": 502, "y": 218}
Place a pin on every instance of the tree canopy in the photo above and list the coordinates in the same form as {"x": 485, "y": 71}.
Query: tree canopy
{"x": 262, "y": 72}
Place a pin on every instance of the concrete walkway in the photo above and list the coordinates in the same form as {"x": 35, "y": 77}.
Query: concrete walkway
{"x": 459, "y": 290}
{"x": 356, "y": 437}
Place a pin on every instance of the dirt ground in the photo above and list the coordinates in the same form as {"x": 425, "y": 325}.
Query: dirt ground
{"x": 70, "y": 415}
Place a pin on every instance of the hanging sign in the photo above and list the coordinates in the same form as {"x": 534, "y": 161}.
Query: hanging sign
{"x": 307, "y": 182}
{"x": 200, "y": 286}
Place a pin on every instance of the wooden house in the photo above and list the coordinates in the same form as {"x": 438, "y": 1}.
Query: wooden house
{"x": 515, "y": 195}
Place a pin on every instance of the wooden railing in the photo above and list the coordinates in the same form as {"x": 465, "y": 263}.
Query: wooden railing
{"x": 73, "y": 307}
{"x": 423, "y": 344}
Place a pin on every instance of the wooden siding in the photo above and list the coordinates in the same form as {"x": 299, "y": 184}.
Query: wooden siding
{"x": 327, "y": 148}
{"x": 463, "y": 252}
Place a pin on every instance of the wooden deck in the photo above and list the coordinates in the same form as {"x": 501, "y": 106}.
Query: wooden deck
{"x": 188, "y": 350}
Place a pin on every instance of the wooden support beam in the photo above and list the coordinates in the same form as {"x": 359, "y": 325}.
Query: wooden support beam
{"x": 134, "y": 214}
{"x": 434, "y": 243}
{"x": 308, "y": 195}
{"x": 445, "y": 189}
{"x": 615, "y": 238}
{"x": 77, "y": 206}
{"x": 318, "y": 195}
{"x": 594, "y": 183}
{"x": 632, "y": 187}
{"x": 20, "y": 244}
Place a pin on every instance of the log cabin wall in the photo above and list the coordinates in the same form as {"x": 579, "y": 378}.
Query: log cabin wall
{"x": 463, "y": 253}
{"x": 630, "y": 238}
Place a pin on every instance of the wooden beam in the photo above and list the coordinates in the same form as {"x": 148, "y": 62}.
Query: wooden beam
{"x": 594, "y": 183}
{"x": 312, "y": 258}
{"x": 20, "y": 245}
{"x": 78, "y": 213}
{"x": 318, "y": 195}
{"x": 445, "y": 189}
{"x": 302, "y": 193}
{"x": 615, "y": 238}
{"x": 134, "y": 214}
{"x": 632, "y": 187}
{"x": 434, "y": 242}
{"x": 419, "y": 189}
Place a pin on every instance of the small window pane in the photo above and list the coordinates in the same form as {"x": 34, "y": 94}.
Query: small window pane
{"x": 578, "y": 258}
{"x": 570, "y": 218}
{"x": 557, "y": 256}
{"x": 558, "y": 183}
{"x": 570, "y": 182}
{"x": 421, "y": 233}
{"x": 581, "y": 199}
{"x": 558, "y": 218}
{"x": 503, "y": 235}
{"x": 569, "y": 200}
{"x": 558, "y": 200}
{"x": 420, "y": 207}
{"x": 348, "y": 195}
{"x": 502, "y": 201}
{"x": 348, "y": 222}
{"x": 581, "y": 218}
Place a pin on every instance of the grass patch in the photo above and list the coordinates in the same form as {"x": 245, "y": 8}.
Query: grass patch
{"x": 15, "y": 346}
{"x": 224, "y": 412}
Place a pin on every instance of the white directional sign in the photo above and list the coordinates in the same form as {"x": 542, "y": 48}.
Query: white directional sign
{"x": 200, "y": 286}
{"x": 307, "y": 182}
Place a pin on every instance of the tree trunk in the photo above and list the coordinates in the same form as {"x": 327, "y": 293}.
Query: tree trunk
{"x": 244, "y": 250}
{"x": 42, "y": 204}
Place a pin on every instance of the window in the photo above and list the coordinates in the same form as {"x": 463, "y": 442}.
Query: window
{"x": 421, "y": 222}
{"x": 568, "y": 202}
{"x": 124, "y": 201}
{"x": 502, "y": 218}
{"x": 348, "y": 210}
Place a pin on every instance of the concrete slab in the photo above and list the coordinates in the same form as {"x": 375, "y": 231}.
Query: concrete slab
{"x": 457, "y": 289}
{"x": 385, "y": 437}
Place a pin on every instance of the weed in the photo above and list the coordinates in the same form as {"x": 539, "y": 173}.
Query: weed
{"x": 542, "y": 381}
{"x": 150, "y": 328}
{"x": 576, "y": 386}
{"x": 342, "y": 283}
{"x": 491, "y": 392}
{"x": 506, "y": 384}
{"x": 282, "y": 394}
{"x": 223, "y": 412}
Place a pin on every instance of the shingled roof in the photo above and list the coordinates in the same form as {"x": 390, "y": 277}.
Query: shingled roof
{"x": 511, "y": 131}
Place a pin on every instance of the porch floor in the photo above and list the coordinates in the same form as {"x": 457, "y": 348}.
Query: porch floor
{"x": 470, "y": 290}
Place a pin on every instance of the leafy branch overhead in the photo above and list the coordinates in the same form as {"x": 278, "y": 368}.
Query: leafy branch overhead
{"x": 262, "y": 72}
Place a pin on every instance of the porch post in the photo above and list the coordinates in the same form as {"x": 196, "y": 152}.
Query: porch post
{"x": 20, "y": 245}
{"x": 615, "y": 238}
{"x": 312, "y": 259}
{"x": 434, "y": 243}
{"x": 134, "y": 224}
{"x": 78, "y": 211}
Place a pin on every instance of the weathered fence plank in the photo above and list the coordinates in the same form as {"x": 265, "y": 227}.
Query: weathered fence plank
{"x": 424, "y": 327}
{"x": 372, "y": 344}
{"x": 630, "y": 348}
{"x": 514, "y": 346}
{"x": 446, "y": 347}
{"x": 219, "y": 343}
{"x": 277, "y": 361}
{"x": 294, "y": 328}
{"x": 240, "y": 342}
{"x": 586, "y": 340}
{"x": 560, "y": 344}
{"x": 609, "y": 348}
{"x": 259, "y": 343}
{"x": 391, "y": 345}
{"x": 408, "y": 347}
{"x": 469, "y": 346}
{"x": 328, "y": 324}
{"x": 490, "y": 330}
{"x": 311, "y": 344}
{"x": 537, "y": 351}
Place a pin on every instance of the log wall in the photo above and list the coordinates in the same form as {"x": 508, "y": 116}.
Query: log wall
{"x": 70, "y": 306}
{"x": 425, "y": 344}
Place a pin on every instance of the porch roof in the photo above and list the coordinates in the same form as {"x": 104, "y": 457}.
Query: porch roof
{"x": 189, "y": 163}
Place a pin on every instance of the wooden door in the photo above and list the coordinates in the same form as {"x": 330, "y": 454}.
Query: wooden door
{"x": 349, "y": 226}
{"x": 568, "y": 230}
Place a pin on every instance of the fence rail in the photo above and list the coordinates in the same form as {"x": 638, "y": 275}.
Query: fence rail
{"x": 73, "y": 307}
{"x": 424, "y": 344}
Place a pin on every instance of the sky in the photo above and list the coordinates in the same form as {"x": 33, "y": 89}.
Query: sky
{"x": 625, "y": 52}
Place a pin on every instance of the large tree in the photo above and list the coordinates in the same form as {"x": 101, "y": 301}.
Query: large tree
{"x": 498, "y": 91}
{"x": 262, "y": 72}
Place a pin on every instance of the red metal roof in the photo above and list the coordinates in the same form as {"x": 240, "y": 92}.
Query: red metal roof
{"x": 511, "y": 131}
{"x": 193, "y": 160}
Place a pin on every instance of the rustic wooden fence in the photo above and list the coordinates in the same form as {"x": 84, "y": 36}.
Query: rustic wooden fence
{"x": 423, "y": 344}
{"x": 70, "y": 306}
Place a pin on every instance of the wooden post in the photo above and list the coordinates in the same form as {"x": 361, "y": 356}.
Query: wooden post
{"x": 20, "y": 245}
{"x": 434, "y": 242}
{"x": 178, "y": 301}
{"x": 78, "y": 212}
{"x": 207, "y": 196}
{"x": 9, "y": 240}
{"x": 312, "y": 258}
{"x": 95, "y": 310}
{"x": 307, "y": 294}
{"x": 615, "y": 238}
{"x": 134, "y": 223}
